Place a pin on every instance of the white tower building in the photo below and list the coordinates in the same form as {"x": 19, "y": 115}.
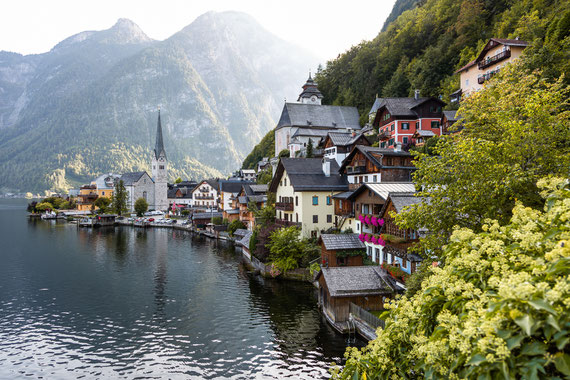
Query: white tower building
{"x": 160, "y": 171}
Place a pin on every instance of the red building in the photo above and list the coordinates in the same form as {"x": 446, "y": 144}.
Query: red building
{"x": 397, "y": 119}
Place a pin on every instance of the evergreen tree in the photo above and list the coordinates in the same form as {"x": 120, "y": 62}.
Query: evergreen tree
{"x": 120, "y": 195}
{"x": 310, "y": 149}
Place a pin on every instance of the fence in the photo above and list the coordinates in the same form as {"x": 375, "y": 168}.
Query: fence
{"x": 367, "y": 317}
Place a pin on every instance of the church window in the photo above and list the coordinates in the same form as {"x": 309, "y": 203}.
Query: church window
{"x": 144, "y": 195}
{"x": 154, "y": 166}
{"x": 161, "y": 167}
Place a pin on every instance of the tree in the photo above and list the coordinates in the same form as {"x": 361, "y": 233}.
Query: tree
{"x": 178, "y": 180}
{"x": 264, "y": 176}
{"x": 234, "y": 225}
{"x": 120, "y": 196}
{"x": 284, "y": 153}
{"x": 44, "y": 206}
{"x": 516, "y": 130}
{"x": 497, "y": 309}
{"x": 102, "y": 203}
{"x": 141, "y": 206}
{"x": 286, "y": 248}
{"x": 265, "y": 215}
{"x": 310, "y": 149}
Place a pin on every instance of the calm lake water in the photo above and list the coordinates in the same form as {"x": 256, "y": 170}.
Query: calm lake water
{"x": 157, "y": 303}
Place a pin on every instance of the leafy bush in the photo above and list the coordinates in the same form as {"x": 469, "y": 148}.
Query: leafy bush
{"x": 217, "y": 220}
{"x": 141, "y": 206}
{"x": 497, "y": 309}
{"x": 44, "y": 206}
{"x": 233, "y": 226}
{"x": 185, "y": 212}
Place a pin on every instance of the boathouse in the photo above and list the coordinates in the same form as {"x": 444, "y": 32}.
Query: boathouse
{"x": 364, "y": 286}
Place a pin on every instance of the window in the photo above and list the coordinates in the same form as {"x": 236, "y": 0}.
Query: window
{"x": 466, "y": 82}
{"x": 144, "y": 195}
{"x": 435, "y": 124}
{"x": 405, "y": 140}
{"x": 405, "y": 125}
{"x": 285, "y": 182}
{"x": 161, "y": 167}
{"x": 383, "y": 145}
{"x": 384, "y": 257}
{"x": 377, "y": 254}
{"x": 329, "y": 200}
{"x": 102, "y": 193}
{"x": 315, "y": 200}
{"x": 374, "y": 178}
{"x": 365, "y": 209}
{"x": 391, "y": 142}
{"x": 392, "y": 127}
{"x": 329, "y": 218}
{"x": 154, "y": 166}
{"x": 315, "y": 218}
{"x": 340, "y": 203}
{"x": 296, "y": 217}
{"x": 296, "y": 200}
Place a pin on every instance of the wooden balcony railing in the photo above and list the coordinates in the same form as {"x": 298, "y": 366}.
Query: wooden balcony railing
{"x": 287, "y": 223}
{"x": 284, "y": 206}
{"x": 494, "y": 59}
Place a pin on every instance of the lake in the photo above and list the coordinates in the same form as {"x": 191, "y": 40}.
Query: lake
{"x": 157, "y": 303}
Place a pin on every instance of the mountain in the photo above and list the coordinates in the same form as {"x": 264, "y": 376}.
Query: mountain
{"x": 429, "y": 39}
{"x": 89, "y": 105}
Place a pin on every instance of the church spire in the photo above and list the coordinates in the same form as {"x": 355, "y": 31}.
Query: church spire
{"x": 159, "y": 147}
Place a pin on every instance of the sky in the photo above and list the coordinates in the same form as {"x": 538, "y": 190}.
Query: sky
{"x": 327, "y": 28}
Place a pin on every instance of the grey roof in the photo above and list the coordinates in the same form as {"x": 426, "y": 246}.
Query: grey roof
{"x": 206, "y": 215}
{"x": 310, "y": 88}
{"x": 245, "y": 240}
{"x": 371, "y": 152}
{"x": 259, "y": 188}
{"x": 401, "y": 200}
{"x": 342, "y": 241}
{"x": 343, "y": 139}
{"x": 159, "y": 147}
{"x": 384, "y": 189}
{"x": 232, "y": 212}
{"x": 450, "y": 115}
{"x": 132, "y": 177}
{"x": 242, "y": 199}
{"x": 310, "y": 132}
{"x": 240, "y": 232}
{"x": 106, "y": 181}
{"x": 357, "y": 281}
{"x": 423, "y": 133}
{"x": 306, "y": 174}
{"x": 344, "y": 195}
{"x": 315, "y": 115}
{"x": 376, "y": 105}
{"x": 403, "y": 106}
{"x": 232, "y": 186}
{"x": 171, "y": 193}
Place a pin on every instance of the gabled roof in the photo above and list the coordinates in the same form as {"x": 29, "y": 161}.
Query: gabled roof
{"x": 341, "y": 241}
{"x": 499, "y": 41}
{"x": 384, "y": 189}
{"x": 450, "y": 115}
{"x": 374, "y": 154}
{"x": 403, "y": 107}
{"x": 343, "y": 138}
{"x": 357, "y": 281}
{"x": 468, "y": 65}
{"x": 401, "y": 200}
{"x": 376, "y": 105}
{"x": 344, "y": 195}
{"x": 132, "y": 177}
{"x": 306, "y": 174}
{"x": 316, "y": 115}
{"x": 260, "y": 189}
{"x": 232, "y": 186}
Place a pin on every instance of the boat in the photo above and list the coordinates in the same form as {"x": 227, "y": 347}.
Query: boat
{"x": 98, "y": 221}
{"x": 49, "y": 215}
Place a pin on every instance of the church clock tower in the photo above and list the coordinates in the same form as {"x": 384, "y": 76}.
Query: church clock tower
{"x": 310, "y": 94}
{"x": 160, "y": 170}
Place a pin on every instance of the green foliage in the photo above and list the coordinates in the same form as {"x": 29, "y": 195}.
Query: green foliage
{"x": 185, "y": 212}
{"x": 44, "y": 206}
{"x": 422, "y": 48}
{"x": 265, "y": 148}
{"x": 516, "y": 130}
{"x": 141, "y": 206}
{"x": 178, "y": 180}
{"x": 235, "y": 225}
{"x": 497, "y": 309}
{"x": 264, "y": 176}
{"x": 120, "y": 196}
{"x": 266, "y": 215}
{"x": 217, "y": 220}
{"x": 414, "y": 282}
{"x": 314, "y": 268}
{"x": 310, "y": 149}
{"x": 225, "y": 221}
{"x": 253, "y": 242}
{"x": 428, "y": 147}
{"x": 284, "y": 153}
{"x": 102, "y": 203}
{"x": 288, "y": 251}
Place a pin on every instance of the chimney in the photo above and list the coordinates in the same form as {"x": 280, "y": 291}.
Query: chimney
{"x": 326, "y": 167}
{"x": 417, "y": 94}
{"x": 398, "y": 147}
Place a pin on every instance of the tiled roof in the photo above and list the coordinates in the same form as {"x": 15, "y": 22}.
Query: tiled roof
{"x": 376, "y": 105}
{"x": 309, "y": 115}
{"x": 403, "y": 106}
{"x": 240, "y": 232}
{"x": 357, "y": 281}
{"x": 383, "y": 189}
{"x": 232, "y": 186}
{"x": 343, "y": 139}
{"x": 372, "y": 154}
{"x": 468, "y": 65}
{"x": 132, "y": 177}
{"x": 309, "y": 132}
{"x": 306, "y": 174}
{"x": 401, "y": 200}
{"x": 344, "y": 195}
{"x": 206, "y": 215}
{"x": 450, "y": 115}
{"x": 259, "y": 188}
{"x": 342, "y": 241}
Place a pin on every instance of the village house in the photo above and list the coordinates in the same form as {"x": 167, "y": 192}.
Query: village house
{"x": 228, "y": 190}
{"x": 304, "y": 188}
{"x": 254, "y": 194}
{"x": 263, "y": 164}
{"x": 338, "y": 145}
{"x": 248, "y": 174}
{"x": 397, "y": 119}
{"x": 495, "y": 54}
{"x": 309, "y": 119}
{"x": 365, "y": 287}
{"x": 102, "y": 186}
{"x": 397, "y": 240}
{"x": 341, "y": 250}
{"x": 205, "y": 195}
{"x": 367, "y": 164}
{"x": 180, "y": 194}
{"x": 369, "y": 200}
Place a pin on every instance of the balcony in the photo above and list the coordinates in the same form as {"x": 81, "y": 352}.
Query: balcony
{"x": 494, "y": 59}
{"x": 287, "y": 223}
{"x": 284, "y": 206}
{"x": 384, "y": 135}
{"x": 204, "y": 190}
{"x": 483, "y": 77}
{"x": 356, "y": 169}
{"x": 207, "y": 197}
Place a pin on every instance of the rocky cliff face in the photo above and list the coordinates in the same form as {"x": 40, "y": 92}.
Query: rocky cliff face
{"x": 89, "y": 105}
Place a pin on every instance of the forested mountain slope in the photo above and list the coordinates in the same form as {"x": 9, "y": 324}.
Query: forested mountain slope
{"x": 423, "y": 47}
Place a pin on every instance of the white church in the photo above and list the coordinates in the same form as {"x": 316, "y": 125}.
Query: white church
{"x": 154, "y": 189}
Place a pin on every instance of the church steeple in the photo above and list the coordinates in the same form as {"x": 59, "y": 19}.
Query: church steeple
{"x": 310, "y": 94}
{"x": 159, "y": 147}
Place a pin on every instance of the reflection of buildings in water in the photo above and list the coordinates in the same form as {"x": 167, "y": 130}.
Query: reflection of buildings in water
{"x": 160, "y": 280}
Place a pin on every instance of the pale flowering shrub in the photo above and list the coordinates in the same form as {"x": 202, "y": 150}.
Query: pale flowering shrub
{"x": 498, "y": 308}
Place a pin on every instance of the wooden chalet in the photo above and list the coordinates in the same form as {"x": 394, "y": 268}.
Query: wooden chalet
{"x": 366, "y": 164}
{"x": 338, "y": 145}
{"x": 341, "y": 250}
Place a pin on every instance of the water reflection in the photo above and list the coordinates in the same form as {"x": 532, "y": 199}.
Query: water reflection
{"x": 125, "y": 303}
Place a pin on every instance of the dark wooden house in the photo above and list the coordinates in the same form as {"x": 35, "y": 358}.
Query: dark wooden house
{"x": 341, "y": 250}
